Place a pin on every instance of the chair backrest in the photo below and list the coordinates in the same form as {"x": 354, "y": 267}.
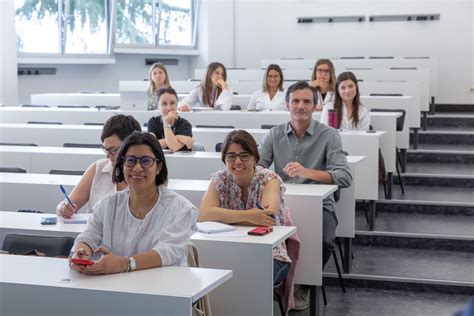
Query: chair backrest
{"x": 67, "y": 172}
{"x": 50, "y": 246}
{"x": 267, "y": 126}
{"x": 107, "y": 107}
{"x": 94, "y": 124}
{"x": 18, "y": 144}
{"x": 215, "y": 126}
{"x": 12, "y": 170}
{"x": 218, "y": 147}
{"x": 400, "y": 120}
{"x": 235, "y": 108}
{"x": 79, "y": 145}
{"x": 41, "y": 122}
{"x": 198, "y": 147}
{"x": 386, "y": 95}
{"x": 74, "y": 106}
{"x": 34, "y": 106}
{"x": 29, "y": 211}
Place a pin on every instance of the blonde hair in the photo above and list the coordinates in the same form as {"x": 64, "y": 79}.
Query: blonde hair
{"x": 152, "y": 87}
{"x": 332, "y": 80}
{"x": 265, "y": 77}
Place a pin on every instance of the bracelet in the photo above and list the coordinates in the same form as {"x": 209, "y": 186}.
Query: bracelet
{"x": 168, "y": 126}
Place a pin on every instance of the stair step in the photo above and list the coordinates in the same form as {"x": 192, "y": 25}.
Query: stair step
{"x": 433, "y": 168}
{"x": 376, "y": 302}
{"x": 445, "y": 136}
{"x": 440, "y": 156}
{"x": 453, "y": 120}
{"x": 424, "y": 266}
{"x": 434, "y": 226}
{"x": 431, "y": 195}
{"x": 420, "y": 207}
{"x": 414, "y": 179}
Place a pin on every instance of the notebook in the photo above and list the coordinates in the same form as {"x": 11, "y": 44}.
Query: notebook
{"x": 77, "y": 219}
{"x": 214, "y": 227}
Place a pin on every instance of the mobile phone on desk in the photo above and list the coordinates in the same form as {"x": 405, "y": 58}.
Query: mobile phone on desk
{"x": 82, "y": 262}
{"x": 49, "y": 220}
{"x": 260, "y": 231}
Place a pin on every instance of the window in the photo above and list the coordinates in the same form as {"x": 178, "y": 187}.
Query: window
{"x": 63, "y": 27}
{"x": 153, "y": 23}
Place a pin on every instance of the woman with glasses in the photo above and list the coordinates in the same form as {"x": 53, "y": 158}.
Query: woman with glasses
{"x": 323, "y": 79}
{"x": 247, "y": 194}
{"x": 272, "y": 96}
{"x": 96, "y": 182}
{"x": 144, "y": 227}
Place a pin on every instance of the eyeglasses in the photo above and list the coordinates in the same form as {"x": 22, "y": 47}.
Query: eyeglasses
{"x": 145, "y": 161}
{"x": 231, "y": 157}
{"x": 111, "y": 150}
{"x": 323, "y": 71}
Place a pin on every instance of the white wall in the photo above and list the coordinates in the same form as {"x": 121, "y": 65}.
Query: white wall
{"x": 8, "y": 68}
{"x": 265, "y": 29}
{"x": 75, "y": 78}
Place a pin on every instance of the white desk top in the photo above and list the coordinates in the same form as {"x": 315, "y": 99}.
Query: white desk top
{"x": 167, "y": 281}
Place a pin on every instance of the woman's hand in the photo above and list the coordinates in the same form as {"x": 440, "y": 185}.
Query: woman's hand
{"x": 222, "y": 84}
{"x": 80, "y": 253}
{"x": 320, "y": 83}
{"x": 64, "y": 209}
{"x": 183, "y": 107}
{"x": 260, "y": 217}
{"x": 107, "y": 264}
{"x": 170, "y": 118}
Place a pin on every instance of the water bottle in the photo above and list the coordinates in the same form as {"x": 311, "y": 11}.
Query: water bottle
{"x": 332, "y": 118}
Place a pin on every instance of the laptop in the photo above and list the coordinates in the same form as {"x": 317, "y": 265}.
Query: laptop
{"x": 133, "y": 101}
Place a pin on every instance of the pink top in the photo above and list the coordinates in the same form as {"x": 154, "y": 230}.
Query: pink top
{"x": 230, "y": 198}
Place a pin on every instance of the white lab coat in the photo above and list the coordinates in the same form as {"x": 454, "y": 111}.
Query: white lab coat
{"x": 328, "y": 99}
{"x": 346, "y": 124}
{"x": 261, "y": 101}
{"x": 223, "y": 102}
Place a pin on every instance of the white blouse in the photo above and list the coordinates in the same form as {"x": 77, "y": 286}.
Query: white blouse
{"x": 261, "y": 101}
{"x": 195, "y": 98}
{"x": 102, "y": 184}
{"x": 346, "y": 124}
{"x": 165, "y": 229}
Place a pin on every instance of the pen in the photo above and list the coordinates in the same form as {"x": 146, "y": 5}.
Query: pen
{"x": 263, "y": 209}
{"x": 65, "y": 194}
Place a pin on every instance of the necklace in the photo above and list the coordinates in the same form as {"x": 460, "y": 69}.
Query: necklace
{"x": 147, "y": 208}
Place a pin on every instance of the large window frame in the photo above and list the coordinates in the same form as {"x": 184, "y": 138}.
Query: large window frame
{"x": 62, "y": 28}
{"x": 156, "y": 31}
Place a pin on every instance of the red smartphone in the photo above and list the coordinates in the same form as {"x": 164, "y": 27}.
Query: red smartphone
{"x": 82, "y": 262}
{"x": 260, "y": 231}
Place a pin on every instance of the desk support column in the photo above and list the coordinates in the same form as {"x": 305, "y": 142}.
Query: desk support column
{"x": 432, "y": 106}
{"x": 372, "y": 214}
{"x": 403, "y": 161}
{"x": 424, "y": 120}
{"x": 415, "y": 138}
{"x": 347, "y": 262}
{"x": 388, "y": 194}
{"x": 314, "y": 299}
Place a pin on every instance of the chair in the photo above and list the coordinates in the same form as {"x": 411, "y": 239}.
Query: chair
{"x": 19, "y": 144}
{"x": 218, "y": 147}
{"x": 41, "y": 122}
{"x": 267, "y": 126}
{"x": 50, "y": 246}
{"x": 235, "y": 108}
{"x": 34, "y": 106}
{"x": 79, "y": 145}
{"x": 278, "y": 296}
{"x": 215, "y": 126}
{"x": 198, "y": 147}
{"x": 386, "y": 95}
{"x": 12, "y": 170}
{"x": 400, "y": 123}
{"x": 29, "y": 211}
{"x": 74, "y": 106}
{"x": 94, "y": 124}
{"x": 107, "y": 107}
{"x": 66, "y": 172}
{"x": 203, "y": 305}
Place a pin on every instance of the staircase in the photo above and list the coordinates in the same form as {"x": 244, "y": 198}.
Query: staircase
{"x": 419, "y": 260}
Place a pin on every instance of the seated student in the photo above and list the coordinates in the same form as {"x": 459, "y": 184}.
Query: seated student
{"x": 351, "y": 114}
{"x": 213, "y": 91}
{"x": 237, "y": 194}
{"x": 323, "y": 80}
{"x": 97, "y": 182}
{"x": 143, "y": 227}
{"x": 173, "y": 132}
{"x": 271, "y": 96}
{"x": 158, "y": 80}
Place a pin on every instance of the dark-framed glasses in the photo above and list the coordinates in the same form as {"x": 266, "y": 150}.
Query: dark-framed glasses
{"x": 323, "y": 71}
{"x": 111, "y": 150}
{"x": 145, "y": 161}
{"x": 231, "y": 157}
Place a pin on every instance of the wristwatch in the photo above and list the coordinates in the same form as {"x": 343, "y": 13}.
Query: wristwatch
{"x": 132, "y": 264}
{"x": 168, "y": 126}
